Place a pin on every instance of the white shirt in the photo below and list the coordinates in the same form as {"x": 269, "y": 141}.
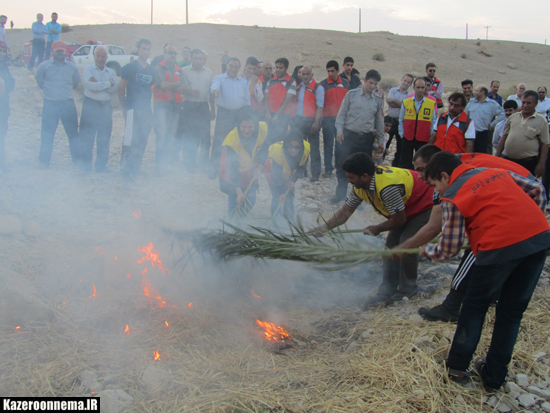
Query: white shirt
{"x": 198, "y": 80}
{"x": 102, "y": 89}
{"x": 515, "y": 97}
{"x": 470, "y": 132}
{"x": 543, "y": 107}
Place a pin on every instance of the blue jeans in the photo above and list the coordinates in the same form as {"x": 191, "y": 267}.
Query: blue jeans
{"x": 96, "y": 119}
{"x": 329, "y": 137}
{"x": 38, "y": 46}
{"x": 518, "y": 279}
{"x": 249, "y": 202}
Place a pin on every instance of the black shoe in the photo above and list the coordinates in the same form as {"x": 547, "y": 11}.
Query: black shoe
{"x": 314, "y": 178}
{"x": 447, "y": 311}
{"x": 375, "y": 300}
{"x": 461, "y": 377}
{"x": 398, "y": 296}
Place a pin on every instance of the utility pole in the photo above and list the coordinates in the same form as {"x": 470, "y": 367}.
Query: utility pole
{"x": 487, "y": 33}
{"x": 359, "y": 20}
{"x": 151, "y": 11}
{"x": 466, "y": 31}
{"x": 186, "y": 11}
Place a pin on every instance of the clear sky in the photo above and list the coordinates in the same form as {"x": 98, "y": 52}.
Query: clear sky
{"x": 443, "y": 18}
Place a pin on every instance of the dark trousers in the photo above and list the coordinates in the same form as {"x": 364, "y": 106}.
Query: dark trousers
{"x": 304, "y": 124}
{"x": 394, "y": 132}
{"x": 48, "y": 50}
{"x": 528, "y": 163}
{"x": 52, "y": 112}
{"x": 38, "y": 46}
{"x": 96, "y": 119}
{"x": 166, "y": 119}
{"x": 226, "y": 121}
{"x": 139, "y": 123}
{"x": 546, "y": 176}
{"x": 400, "y": 275}
{"x": 481, "y": 141}
{"x": 196, "y": 133}
{"x": 408, "y": 148}
{"x": 353, "y": 142}
{"x": 463, "y": 274}
{"x": 3, "y": 133}
{"x": 276, "y": 130}
{"x": 517, "y": 280}
{"x": 329, "y": 136}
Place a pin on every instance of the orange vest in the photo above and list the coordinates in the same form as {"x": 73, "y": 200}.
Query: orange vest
{"x": 277, "y": 92}
{"x": 160, "y": 95}
{"x": 417, "y": 125}
{"x": 484, "y": 160}
{"x": 502, "y": 221}
{"x": 334, "y": 95}
{"x": 310, "y": 104}
{"x": 452, "y": 140}
{"x": 435, "y": 85}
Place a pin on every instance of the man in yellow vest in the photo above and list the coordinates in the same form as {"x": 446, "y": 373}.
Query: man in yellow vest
{"x": 417, "y": 119}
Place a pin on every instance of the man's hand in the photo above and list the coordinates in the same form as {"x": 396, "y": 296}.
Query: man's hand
{"x": 93, "y": 79}
{"x": 315, "y": 126}
{"x": 282, "y": 198}
{"x": 539, "y": 170}
{"x": 340, "y": 137}
{"x": 216, "y": 93}
{"x": 372, "y": 230}
{"x": 112, "y": 82}
{"x": 240, "y": 197}
{"x": 318, "y": 232}
{"x": 381, "y": 149}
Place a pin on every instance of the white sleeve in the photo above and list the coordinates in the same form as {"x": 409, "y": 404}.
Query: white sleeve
{"x": 470, "y": 132}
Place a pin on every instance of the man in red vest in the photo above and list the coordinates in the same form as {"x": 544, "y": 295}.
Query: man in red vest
{"x": 279, "y": 92}
{"x": 436, "y": 87}
{"x": 335, "y": 88}
{"x": 456, "y": 132}
{"x": 168, "y": 86}
{"x": 509, "y": 236}
{"x": 417, "y": 119}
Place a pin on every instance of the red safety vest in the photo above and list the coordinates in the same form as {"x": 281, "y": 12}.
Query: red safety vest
{"x": 310, "y": 104}
{"x": 484, "y": 160}
{"x": 277, "y": 92}
{"x": 418, "y": 125}
{"x": 160, "y": 95}
{"x": 452, "y": 140}
{"x": 502, "y": 221}
{"x": 334, "y": 95}
{"x": 435, "y": 85}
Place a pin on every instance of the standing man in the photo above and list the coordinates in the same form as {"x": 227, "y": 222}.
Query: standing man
{"x": 309, "y": 102}
{"x": 455, "y": 131}
{"x": 353, "y": 80}
{"x": 510, "y": 107}
{"x": 7, "y": 84}
{"x": 518, "y": 96}
{"x": 467, "y": 89}
{"x": 168, "y": 86}
{"x": 395, "y": 99}
{"x": 404, "y": 200}
{"x": 417, "y": 119}
{"x": 38, "y": 42}
{"x": 279, "y": 93}
{"x": 436, "y": 86}
{"x": 198, "y": 111}
{"x": 543, "y": 105}
{"x": 485, "y": 113}
{"x": 525, "y": 136}
{"x": 509, "y": 236}
{"x": 232, "y": 94}
{"x": 358, "y": 119}
{"x": 100, "y": 84}
{"x": 134, "y": 94}
{"x": 225, "y": 60}
{"x": 255, "y": 89}
{"x": 493, "y": 93}
{"x": 3, "y": 20}
{"x": 58, "y": 78}
{"x": 54, "y": 30}
{"x": 265, "y": 75}
{"x": 186, "y": 54}
{"x": 335, "y": 89}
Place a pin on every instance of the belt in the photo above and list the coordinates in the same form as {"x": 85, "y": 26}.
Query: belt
{"x": 360, "y": 133}
{"x": 97, "y": 102}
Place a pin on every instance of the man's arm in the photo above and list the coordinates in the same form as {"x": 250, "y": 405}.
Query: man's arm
{"x": 498, "y": 114}
{"x": 122, "y": 92}
{"x": 439, "y": 92}
{"x": 539, "y": 169}
{"x": 393, "y": 103}
{"x": 452, "y": 234}
{"x": 90, "y": 82}
{"x": 379, "y": 122}
{"x": 286, "y": 102}
{"x": 401, "y": 121}
{"x": 470, "y": 137}
{"x": 395, "y": 221}
{"x": 342, "y": 114}
{"x": 505, "y": 133}
{"x": 425, "y": 234}
{"x": 39, "y": 76}
{"x": 341, "y": 217}
{"x": 216, "y": 86}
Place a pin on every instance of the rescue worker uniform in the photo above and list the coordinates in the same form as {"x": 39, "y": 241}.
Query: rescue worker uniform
{"x": 453, "y": 138}
{"x": 276, "y": 91}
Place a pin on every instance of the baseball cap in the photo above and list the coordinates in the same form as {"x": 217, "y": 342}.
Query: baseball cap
{"x": 58, "y": 45}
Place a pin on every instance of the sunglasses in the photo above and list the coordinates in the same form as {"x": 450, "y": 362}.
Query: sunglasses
{"x": 172, "y": 53}
{"x": 431, "y": 71}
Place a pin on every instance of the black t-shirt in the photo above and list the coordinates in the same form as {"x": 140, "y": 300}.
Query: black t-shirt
{"x": 140, "y": 81}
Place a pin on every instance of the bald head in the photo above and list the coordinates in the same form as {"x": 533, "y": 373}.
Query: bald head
{"x": 307, "y": 74}
{"x": 100, "y": 56}
{"x": 267, "y": 70}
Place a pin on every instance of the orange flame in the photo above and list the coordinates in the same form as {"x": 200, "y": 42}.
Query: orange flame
{"x": 63, "y": 302}
{"x": 116, "y": 259}
{"x": 128, "y": 275}
{"x": 144, "y": 271}
{"x": 127, "y": 329}
{"x": 151, "y": 293}
{"x": 93, "y": 393}
{"x": 137, "y": 214}
{"x": 98, "y": 250}
{"x": 167, "y": 325}
{"x": 190, "y": 305}
{"x": 93, "y": 295}
{"x": 18, "y": 327}
{"x": 156, "y": 354}
{"x": 273, "y": 333}
{"x": 255, "y": 295}
{"x": 151, "y": 255}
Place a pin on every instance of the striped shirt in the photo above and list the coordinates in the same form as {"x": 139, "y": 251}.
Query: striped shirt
{"x": 453, "y": 230}
{"x": 392, "y": 197}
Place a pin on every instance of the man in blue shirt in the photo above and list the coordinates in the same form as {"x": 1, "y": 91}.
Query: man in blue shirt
{"x": 54, "y": 30}
{"x": 58, "y": 78}
{"x": 38, "y": 42}
{"x": 493, "y": 93}
{"x": 134, "y": 93}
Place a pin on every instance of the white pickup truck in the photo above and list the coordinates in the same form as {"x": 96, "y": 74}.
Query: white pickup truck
{"x": 116, "y": 58}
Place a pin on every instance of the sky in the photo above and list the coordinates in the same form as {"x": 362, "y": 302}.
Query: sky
{"x": 443, "y": 18}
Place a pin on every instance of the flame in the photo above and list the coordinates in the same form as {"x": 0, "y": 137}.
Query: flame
{"x": 144, "y": 271}
{"x": 116, "y": 259}
{"x": 93, "y": 393}
{"x": 255, "y": 295}
{"x": 63, "y": 302}
{"x": 137, "y": 214}
{"x": 128, "y": 275}
{"x": 167, "y": 325}
{"x": 93, "y": 295}
{"x": 273, "y": 333}
{"x": 151, "y": 293}
{"x": 151, "y": 255}
{"x": 127, "y": 329}
{"x": 98, "y": 250}
{"x": 156, "y": 354}
{"x": 190, "y": 305}
{"x": 18, "y": 327}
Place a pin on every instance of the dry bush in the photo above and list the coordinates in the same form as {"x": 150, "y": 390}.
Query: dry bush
{"x": 463, "y": 55}
{"x": 388, "y": 82}
{"x": 507, "y": 91}
{"x": 379, "y": 57}
{"x": 65, "y": 28}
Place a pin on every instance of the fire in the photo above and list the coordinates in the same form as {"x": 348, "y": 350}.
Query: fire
{"x": 63, "y": 302}
{"x": 255, "y": 295}
{"x": 127, "y": 329}
{"x": 18, "y": 327}
{"x": 137, "y": 214}
{"x": 144, "y": 271}
{"x": 151, "y": 293}
{"x": 98, "y": 250}
{"x": 156, "y": 354}
{"x": 167, "y": 325}
{"x": 190, "y": 305}
{"x": 116, "y": 259}
{"x": 93, "y": 393}
{"x": 151, "y": 255}
{"x": 128, "y": 275}
{"x": 273, "y": 333}
{"x": 93, "y": 295}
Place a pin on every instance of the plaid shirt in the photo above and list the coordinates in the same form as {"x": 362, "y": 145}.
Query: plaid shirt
{"x": 454, "y": 224}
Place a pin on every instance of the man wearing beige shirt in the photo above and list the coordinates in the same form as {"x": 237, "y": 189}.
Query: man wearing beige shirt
{"x": 198, "y": 111}
{"x": 525, "y": 136}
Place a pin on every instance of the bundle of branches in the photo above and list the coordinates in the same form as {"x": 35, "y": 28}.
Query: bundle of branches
{"x": 333, "y": 251}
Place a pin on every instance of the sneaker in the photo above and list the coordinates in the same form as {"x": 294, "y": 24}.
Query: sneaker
{"x": 438, "y": 313}
{"x": 460, "y": 377}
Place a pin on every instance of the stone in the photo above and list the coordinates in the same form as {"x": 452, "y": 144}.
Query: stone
{"x": 415, "y": 317}
{"x": 514, "y": 394}
{"x": 511, "y": 66}
{"x": 10, "y": 224}
{"x": 545, "y": 407}
{"x": 493, "y": 401}
{"x": 536, "y": 391}
{"x": 527, "y": 400}
{"x": 32, "y": 228}
{"x": 367, "y": 333}
{"x": 353, "y": 346}
{"x": 538, "y": 356}
{"x": 108, "y": 380}
{"x": 522, "y": 380}
{"x": 114, "y": 401}
{"x": 502, "y": 407}
{"x": 422, "y": 341}
{"x": 545, "y": 394}
{"x": 153, "y": 378}
{"x": 511, "y": 386}
{"x": 88, "y": 377}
